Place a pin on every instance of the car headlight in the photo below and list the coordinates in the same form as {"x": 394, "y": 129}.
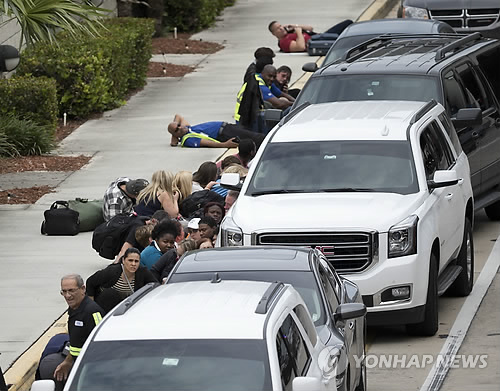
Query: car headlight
{"x": 414, "y": 12}
{"x": 231, "y": 234}
{"x": 402, "y": 237}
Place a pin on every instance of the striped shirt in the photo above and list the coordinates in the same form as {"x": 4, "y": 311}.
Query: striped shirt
{"x": 122, "y": 287}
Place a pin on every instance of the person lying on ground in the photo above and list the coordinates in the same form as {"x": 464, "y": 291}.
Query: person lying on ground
{"x": 216, "y": 134}
{"x": 270, "y": 93}
{"x": 294, "y": 37}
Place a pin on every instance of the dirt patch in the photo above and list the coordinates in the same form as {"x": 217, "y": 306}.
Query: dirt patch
{"x": 24, "y": 196}
{"x": 160, "y": 69}
{"x": 42, "y": 163}
{"x": 182, "y": 45}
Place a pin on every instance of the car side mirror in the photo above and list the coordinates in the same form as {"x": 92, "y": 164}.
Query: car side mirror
{"x": 467, "y": 117}
{"x": 306, "y": 383}
{"x": 443, "y": 178}
{"x": 349, "y": 311}
{"x": 231, "y": 181}
{"x": 310, "y": 67}
{"x": 272, "y": 117}
{"x": 43, "y": 385}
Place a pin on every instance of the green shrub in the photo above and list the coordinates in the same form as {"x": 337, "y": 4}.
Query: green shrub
{"x": 30, "y": 98}
{"x": 193, "y": 15}
{"x": 94, "y": 74}
{"x": 24, "y": 137}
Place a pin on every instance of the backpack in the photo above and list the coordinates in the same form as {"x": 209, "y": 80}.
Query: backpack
{"x": 193, "y": 205}
{"x": 108, "y": 237}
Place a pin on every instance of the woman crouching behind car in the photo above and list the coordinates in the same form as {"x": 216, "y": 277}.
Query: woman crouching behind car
{"x": 109, "y": 286}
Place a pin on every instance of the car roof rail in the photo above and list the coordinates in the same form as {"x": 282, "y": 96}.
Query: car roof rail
{"x": 131, "y": 300}
{"x": 423, "y": 110}
{"x": 294, "y": 112}
{"x": 268, "y": 296}
{"x": 360, "y": 50}
{"x": 440, "y": 53}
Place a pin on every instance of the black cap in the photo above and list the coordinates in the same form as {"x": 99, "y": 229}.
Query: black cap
{"x": 135, "y": 186}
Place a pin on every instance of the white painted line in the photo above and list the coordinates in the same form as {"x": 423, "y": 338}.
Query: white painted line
{"x": 438, "y": 373}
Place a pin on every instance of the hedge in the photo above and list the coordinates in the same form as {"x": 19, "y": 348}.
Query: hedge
{"x": 94, "y": 74}
{"x": 30, "y": 98}
{"x": 192, "y": 15}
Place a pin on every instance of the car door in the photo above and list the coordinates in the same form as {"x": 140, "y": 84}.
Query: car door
{"x": 454, "y": 100}
{"x": 437, "y": 155}
{"x": 488, "y": 142}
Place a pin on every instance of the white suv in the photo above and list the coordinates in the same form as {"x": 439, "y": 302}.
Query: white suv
{"x": 381, "y": 188}
{"x": 211, "y": 335}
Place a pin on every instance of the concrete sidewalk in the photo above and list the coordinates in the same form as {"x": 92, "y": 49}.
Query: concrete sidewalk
{"x": 133, "y": 141}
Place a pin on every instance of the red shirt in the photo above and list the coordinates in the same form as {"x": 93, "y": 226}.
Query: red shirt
{"x": 284, "y": 43}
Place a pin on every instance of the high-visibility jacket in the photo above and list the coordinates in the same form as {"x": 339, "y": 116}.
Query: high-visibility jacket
{"x": 192, "y": 134}
{"x": 239, "y": 96}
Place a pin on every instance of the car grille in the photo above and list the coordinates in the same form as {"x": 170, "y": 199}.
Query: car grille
{"x": 467, "y": 18}
{"x": 346, "y": 251}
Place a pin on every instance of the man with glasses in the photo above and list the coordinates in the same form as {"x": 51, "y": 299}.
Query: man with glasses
{"x": 83, "y": 315}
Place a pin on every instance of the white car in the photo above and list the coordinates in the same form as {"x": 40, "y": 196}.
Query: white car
{"x": 212, "y": 335}
{"x": 382, "y": 188}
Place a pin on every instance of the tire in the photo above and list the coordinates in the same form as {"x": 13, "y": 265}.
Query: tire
{"x": 429, "y": 326}
{"x": 493, "y": 211}
{"x": 462, "y": 286}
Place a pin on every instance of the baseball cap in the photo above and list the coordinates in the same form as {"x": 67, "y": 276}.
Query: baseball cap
{"x": 135, "y": 186}
{"x": 193, "y": 223}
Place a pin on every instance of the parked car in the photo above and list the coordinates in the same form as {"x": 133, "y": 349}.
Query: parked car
{"x": 465, "y": 16}
{"x": 459, "y": 72}
{"x": 381, "y": 188}
{"x": 307, "y": 270}
{"x": 210, "y": 335}
{"x": 359, "y": 32}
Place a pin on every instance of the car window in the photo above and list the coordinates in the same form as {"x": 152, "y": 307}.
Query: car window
{"x": 450, "y": 130}
{"x": 488, "y": 62}
{"x": 334, "y": 279}
{"x": 331, "y": 296}
{"x": 296, "y": 346}
{"x": 287, "y": 370}
{"x": 443, "y": 146}
{"x": 475, "y": 93}
{"x": 453, "y": 94}
{"x": 432, "y": 153}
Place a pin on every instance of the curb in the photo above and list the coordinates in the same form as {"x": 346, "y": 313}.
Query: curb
{"x": 22, "y": 372}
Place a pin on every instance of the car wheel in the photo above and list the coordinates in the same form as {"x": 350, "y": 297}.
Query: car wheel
{"x": 493, "y": 211}
{"x": 429, "y": 325}
{"x": 462, "y": 286}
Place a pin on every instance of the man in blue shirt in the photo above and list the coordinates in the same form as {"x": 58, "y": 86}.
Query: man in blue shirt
{"x": 271, "y": 93}
{"x": 216, "y": 134}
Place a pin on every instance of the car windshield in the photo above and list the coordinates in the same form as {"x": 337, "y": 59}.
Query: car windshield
{"x": 335, "y": 166}
{"x": 174, "y": 365}
{"x": 369, "y": 87}
{"x": 303, "y": 281}
{"x": 344, "y": 44}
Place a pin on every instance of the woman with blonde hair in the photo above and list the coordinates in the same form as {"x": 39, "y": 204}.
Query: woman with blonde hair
{"x": 159, "y": 194}
{"x": 183, "y": 181}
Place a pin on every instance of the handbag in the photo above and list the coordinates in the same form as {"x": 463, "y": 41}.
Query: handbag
{"x": 60, "y": 220}
{"x": 90, "y": 212}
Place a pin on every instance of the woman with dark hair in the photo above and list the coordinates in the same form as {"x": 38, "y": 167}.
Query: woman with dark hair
{"x": 164, "y": 236}
{"x": 205, "y": 177}
{"x": 109, "y": 286}
{"x": 215, "y": 211}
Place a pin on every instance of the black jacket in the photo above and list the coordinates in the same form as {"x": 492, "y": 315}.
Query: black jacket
{"x": 99, "y": 284}
{"x": 164, "y": 265}
{"x": 251, "y": 103}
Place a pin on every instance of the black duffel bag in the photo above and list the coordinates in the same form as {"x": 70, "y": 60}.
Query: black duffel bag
{"x": 60, "y": 221}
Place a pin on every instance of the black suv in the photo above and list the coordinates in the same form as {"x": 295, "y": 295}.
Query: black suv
{"x": 460, "y": 72}
{"x": 465, "y": 16}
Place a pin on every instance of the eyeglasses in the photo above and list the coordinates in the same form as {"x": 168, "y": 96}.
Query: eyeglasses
{"x": 65, "y": 292}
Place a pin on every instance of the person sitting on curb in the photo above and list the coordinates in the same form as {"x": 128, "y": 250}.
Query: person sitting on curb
{"x": 270, "y": 93}
{"x": 260, "y": 53}
{"x": 83, "y": 315}
{"x": 283, "y": 76}
{"x": 120, "y": 196}
{"x": 215, "y": 134}
{"x": 293, "y": 38}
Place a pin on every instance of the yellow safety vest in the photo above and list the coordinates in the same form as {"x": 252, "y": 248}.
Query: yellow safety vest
{"x": 196, "y": 135}
{"x": 239, "y": 96}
